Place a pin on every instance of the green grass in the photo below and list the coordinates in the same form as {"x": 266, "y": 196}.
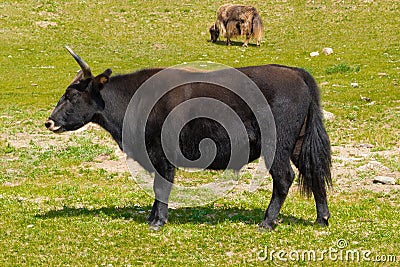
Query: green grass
{"x": 341, "y": 68}
{"x": 56, "y": 209}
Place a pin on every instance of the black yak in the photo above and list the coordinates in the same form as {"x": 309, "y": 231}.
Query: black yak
{"x": 235, "y": 20}
{"x": 294, "y": 102}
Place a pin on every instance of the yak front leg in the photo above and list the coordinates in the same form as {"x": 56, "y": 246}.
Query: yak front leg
{"x": 162, "y": 188}
{"x": 246, "y": 42}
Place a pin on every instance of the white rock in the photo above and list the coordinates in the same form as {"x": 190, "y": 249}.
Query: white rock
{"x": 323, "y": 84}
{"x": 329, "y": 116}
{"x": 384, "y": 180}
{"x": 355, "y": 85}
{"x": 314, "y": 54}
{"x": 327, "y": 51}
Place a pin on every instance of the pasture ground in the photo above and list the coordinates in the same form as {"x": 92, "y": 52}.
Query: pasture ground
{"x": 69, "y": 200}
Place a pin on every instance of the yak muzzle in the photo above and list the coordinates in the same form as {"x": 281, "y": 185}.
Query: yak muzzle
{"x": 51, "y": 125}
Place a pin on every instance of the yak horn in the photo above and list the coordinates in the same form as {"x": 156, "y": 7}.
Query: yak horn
{"x": 87, "y": 73}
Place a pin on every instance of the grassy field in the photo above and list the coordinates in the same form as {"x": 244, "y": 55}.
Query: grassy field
{"x": 60, "y": 206}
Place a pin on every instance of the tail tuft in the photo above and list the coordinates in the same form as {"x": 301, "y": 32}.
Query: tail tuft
{"x": 314, "y": 162}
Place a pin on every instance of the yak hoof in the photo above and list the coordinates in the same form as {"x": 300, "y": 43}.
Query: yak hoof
{"x": 244, "y": 45}
{"x": 265, "y": 226}
{"x": 156, "y": 225}
{"x": 151, "y": 218}
{"x": 322, "y": 221}
{"x": 154, "y": 228}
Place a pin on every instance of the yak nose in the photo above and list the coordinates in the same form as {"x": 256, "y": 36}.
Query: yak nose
{"x": 49, "y": 124}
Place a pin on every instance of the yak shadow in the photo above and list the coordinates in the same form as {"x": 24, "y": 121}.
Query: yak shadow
{"x": 189, "y": 215}
{"x": 233, "y": 43}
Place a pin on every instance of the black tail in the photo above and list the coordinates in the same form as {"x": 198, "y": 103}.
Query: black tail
{"x": 314, "y": 161}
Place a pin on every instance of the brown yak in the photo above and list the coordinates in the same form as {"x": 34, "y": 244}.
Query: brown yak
{"x": 235, "y": 20}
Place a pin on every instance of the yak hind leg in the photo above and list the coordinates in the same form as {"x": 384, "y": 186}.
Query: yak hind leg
{"x": 321, "y": 204}
{"x": 319, "y": 191}
{"x": 162, "y": 188}
{"x": 282, "y": 176}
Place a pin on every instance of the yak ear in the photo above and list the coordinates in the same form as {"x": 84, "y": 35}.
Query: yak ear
{"x": 101, "y": 79}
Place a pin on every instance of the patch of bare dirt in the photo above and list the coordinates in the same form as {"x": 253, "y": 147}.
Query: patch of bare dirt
{"x": 354, "y": 166}
{"x": 43, "y": 140}
{"x": 118, "y": 165}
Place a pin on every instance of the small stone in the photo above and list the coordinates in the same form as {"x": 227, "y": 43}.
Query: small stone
{"x": 329, "y": 116}
{"x": 354, "y": 85}
{"x": 327, "y": 51}
{"x": 323, "y": 84}
{"x": 384, "y": 180}
{"x": 314, "y": 54}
